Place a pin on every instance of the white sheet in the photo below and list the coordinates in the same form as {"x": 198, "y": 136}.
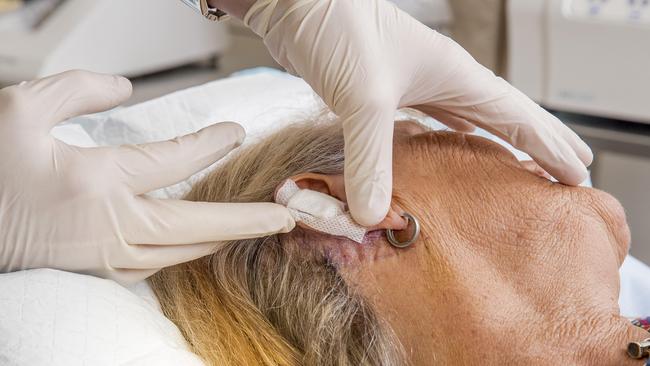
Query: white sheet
{"x": 634, "y": 298}
{"x": 56, "y": 318}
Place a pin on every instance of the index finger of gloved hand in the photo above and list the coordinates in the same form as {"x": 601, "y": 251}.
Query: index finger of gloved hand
{"x": 518, "y": 120}
{"x": 552, "y": 152}
{"x": 369, "y": 163}
{"x": 583, "y": 151}
{"x": 548, "y": 141}
{"x": 174, "y": 222}
{"x": 74, "y": 93}
{"x": 161, "y": 164}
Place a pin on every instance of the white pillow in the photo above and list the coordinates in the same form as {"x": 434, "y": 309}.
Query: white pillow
{"x": 53, "y": 318}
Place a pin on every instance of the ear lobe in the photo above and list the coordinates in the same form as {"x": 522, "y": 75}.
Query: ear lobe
{"x": 334, "y": 185}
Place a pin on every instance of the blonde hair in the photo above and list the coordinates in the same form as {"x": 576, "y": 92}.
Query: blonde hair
{"x": 270, "y": 301}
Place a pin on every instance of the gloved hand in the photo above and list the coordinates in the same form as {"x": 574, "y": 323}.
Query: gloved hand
{"x": 366, "y": 58}
{"x": 82, "y": 209}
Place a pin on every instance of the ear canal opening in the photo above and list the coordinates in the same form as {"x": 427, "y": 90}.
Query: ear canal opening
{"x": 314, "y": 185}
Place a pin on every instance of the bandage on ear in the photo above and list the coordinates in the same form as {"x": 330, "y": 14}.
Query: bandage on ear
{"x": 319, "y": 211}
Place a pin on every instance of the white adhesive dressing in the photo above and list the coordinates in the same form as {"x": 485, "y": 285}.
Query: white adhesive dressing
{"x": 319, "y": 211}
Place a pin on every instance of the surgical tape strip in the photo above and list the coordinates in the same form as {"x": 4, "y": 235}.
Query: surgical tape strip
{"x": 319, "y": 211}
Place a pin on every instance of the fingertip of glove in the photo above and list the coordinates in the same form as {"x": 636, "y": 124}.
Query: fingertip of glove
{"x": 232, "y": 131}
{"x": 575, "y": 176}
{"x": 122, "y": 88}
{"x": 241, "y": 134}
{"x": 369, "y": 212}
{"x": 289, "y": 225}
{"x": 288, "y": 222}
{"x": 586, "y": 155}
{"x": 123, "y": 84}
{"x": 368, "y": 218}
{"x": 238, "y": 131}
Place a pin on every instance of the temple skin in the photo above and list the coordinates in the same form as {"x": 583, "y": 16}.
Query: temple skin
{"x": 510, "y": 269}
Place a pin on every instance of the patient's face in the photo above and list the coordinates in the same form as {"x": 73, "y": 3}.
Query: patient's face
{"x": 510, "y": 268}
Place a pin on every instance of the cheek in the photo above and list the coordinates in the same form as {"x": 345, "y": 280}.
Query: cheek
{"x": 600, "y": 261}
{"x": 611, "y": 216}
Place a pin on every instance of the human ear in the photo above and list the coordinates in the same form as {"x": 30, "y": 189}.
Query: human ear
{"x": 334, "y": 185}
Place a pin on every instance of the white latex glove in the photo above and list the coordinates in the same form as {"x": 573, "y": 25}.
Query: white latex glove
{"x": 366, "y": 58}
{"x": 82, "y": 210}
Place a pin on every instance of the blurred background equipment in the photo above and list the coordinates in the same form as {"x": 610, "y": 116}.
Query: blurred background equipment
{"x": 587, "y": 60}
{"x": 132, "y": 38}
{"x": 161, "y": 44}
{"x": 479, "y": 26}
{"x": 24, "y": 15}
{"x": 7, "y": 5}
{"x": 583, "y": 56}
{"x": 434, "y": 13}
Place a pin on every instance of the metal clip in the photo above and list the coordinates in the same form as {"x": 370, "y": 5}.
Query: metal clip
{"x": 390, "y": 235}
{"x": 639, "y": 350}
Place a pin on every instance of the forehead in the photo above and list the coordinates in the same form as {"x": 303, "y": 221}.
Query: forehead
{"x": 417, "y": 132}
{"x": 469, "y": 182}
{"x": 449, "y": 152}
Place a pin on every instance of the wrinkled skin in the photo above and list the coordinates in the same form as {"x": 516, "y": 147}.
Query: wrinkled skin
{"x": 510, "y": 268}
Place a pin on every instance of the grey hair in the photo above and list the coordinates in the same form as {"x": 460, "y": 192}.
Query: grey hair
{"x": 268, "y": 301}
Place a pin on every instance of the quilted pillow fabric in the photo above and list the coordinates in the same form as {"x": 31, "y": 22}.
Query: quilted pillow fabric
{"x": 53, "y": 318}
